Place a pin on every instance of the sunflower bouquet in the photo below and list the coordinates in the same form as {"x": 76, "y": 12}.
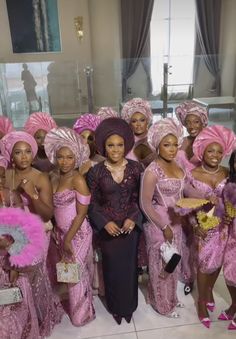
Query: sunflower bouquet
{"x": 229, "y": 198}
{"x": 203, "y": 209}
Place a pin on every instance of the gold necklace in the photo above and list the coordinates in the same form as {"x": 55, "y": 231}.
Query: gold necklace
{"x": 210, "y": 172}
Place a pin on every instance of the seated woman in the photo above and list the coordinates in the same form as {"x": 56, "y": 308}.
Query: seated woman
{"x": 115, "y": 215}
{"x": 66, "y": 150}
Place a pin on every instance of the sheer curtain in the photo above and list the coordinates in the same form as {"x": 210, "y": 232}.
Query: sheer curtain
{"x": 135, "y": 23}
{"x": 172, "y": 42}
{"x": 208, "y": 38}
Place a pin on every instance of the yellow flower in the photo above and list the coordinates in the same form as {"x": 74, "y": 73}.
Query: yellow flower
{"x": 207, "y": 221}
{"x": 230, "y": 210}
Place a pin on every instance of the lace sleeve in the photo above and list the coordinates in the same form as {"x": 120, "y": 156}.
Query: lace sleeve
{"x": 148, "y": 184}
{"x": 95, "y": 212}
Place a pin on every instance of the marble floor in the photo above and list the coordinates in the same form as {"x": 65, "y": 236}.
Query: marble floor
{"x": 147, "y": 324}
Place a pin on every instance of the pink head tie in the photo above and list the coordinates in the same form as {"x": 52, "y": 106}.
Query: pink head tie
{"x": 3, "y": 162}
{"x": 8, "y": 142}
{"x": 39, "y": 120}
{"x": 86, "y": 121}
{"x": 136, "y": 105}
{"x": 107, "y": 112}
{"x": 66, "y": 137}
{"x": 6, "y": 125}
{"x": 161, "y": 129}
{"x": 219, "y": 134}
{"x": 190, "y": 107}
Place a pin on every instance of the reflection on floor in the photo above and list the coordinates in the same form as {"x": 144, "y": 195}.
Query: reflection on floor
{"x": 147, "y": 324}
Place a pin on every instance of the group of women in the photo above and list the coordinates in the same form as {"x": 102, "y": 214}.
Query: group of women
{"x": 110, "y": 185}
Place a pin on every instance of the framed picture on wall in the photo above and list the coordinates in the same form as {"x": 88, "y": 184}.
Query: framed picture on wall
{"x": 34, "y": 26}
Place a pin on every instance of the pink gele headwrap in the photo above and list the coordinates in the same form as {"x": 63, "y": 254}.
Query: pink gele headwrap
{"x": 27, "y": 230}
{"x": 3, "y": 162}
{"x": 163, "y": 128}
{"x": 6, "y": 125}
{"x": 190, "y": 107}
{"x": 87, "y": 121}
{"x": 136, "y": 105}
{"x": 66, "y": 137}
{"x": 8, "y": 142}
{"x": 107, "y": 112}
{"x": 39, "y": 120}
{"x": 219, "y": 134}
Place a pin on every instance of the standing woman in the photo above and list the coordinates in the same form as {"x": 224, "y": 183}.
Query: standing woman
{"x": 229, "y": 261}
{"x": 162, "y": 186}
{"x": 138, "y": 114}
{"x": 71, "y": 198}
{"x": 115, "y": 215}
{"x": 38, "y": 125}
{"x": 207, "y": 181}
{"x": 194, "y": 118}
{"x": 86, "y": 126}
{"x": 19, "y": 149}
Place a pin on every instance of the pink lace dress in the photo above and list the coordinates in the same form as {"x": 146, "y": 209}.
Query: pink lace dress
{"x": 159, "y": 194}
{"x": 17, "y": 321}
{"x": 210, "y": 251}
{"x": 142, "y": 251}
{"x": 80, "y": 304}
{"x": 47, "y": 303}
{"x": 229, "y": 262}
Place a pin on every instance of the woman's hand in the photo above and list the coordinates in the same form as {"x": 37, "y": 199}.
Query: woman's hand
{"x": 13, "y": 276}
{"x": 67, "y": 247}
{"x": 168, "y": 234}
{"x": 128, "y": 226}
{"x": 112, "y": 229}
{"x": 28, "y": 187}
{"x": 199, "y": 232}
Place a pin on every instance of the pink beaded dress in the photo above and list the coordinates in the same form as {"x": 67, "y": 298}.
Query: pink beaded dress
{"x": 229, "y": 262}
{"x": 79, "y": 306}
{"x": 159, "y": 194}
{"x": 17, "y": 321}
{"x": 48, "y": 307}
{"x": 210, "y": 251}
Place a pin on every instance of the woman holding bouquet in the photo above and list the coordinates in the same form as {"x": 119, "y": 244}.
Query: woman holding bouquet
{"x": 207, "y": 181}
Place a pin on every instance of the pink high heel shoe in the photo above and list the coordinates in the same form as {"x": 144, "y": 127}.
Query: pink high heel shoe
{"x": 210, "y": 306}
{"x": 204, "y": 320}
{"x": 232, "y": 325}
{"x": 224, "y": 316}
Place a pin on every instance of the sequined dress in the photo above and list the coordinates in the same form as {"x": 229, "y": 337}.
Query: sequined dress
{"x": 159, "y": 194}
{"x": 17, "y": 321}
{"x": 80, "y": 303}
{"x": 210, "y": 251}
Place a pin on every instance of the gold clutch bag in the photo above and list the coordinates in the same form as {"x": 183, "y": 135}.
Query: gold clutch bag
{"x": 10, "y": 295}
{"x": 68, "y": 272}
{"x": 191, "y": 203}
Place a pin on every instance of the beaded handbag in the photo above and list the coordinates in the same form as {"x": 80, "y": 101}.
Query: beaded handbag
{"x": 68, "y": 272}
{"x": 10, "y": 295}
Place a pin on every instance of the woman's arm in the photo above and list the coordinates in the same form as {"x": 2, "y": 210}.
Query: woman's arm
{"x": 160, "y": 219}
{"x": 83, "y": 199}
{"x": 40, "y": 196}
{"x": 96, "y": 214}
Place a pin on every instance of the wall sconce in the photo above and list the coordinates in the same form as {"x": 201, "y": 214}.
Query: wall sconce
{"x": 78, "y": 21}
